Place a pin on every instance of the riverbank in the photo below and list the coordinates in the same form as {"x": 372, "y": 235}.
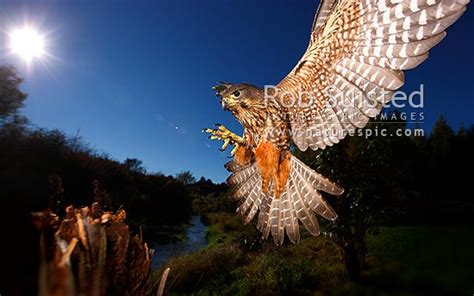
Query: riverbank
{"x": 193, "y": 238}
{"x": 401, "y": 260}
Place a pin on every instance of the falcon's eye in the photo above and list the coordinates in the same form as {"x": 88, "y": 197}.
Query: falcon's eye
{"x": 236, "y": 93}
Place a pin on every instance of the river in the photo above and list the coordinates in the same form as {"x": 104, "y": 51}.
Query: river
{"x": 196, "y": 240}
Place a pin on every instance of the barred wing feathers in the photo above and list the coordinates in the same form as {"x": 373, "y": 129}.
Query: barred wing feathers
{"x": 355, "y": 60}
{"x": 299, "y": 203}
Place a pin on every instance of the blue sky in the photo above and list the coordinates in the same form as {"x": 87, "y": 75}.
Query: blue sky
{"x": 134, "y": 78}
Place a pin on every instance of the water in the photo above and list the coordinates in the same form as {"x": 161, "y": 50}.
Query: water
{"x": 196, "y": 240}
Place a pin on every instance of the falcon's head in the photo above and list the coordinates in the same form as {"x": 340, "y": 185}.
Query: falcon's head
{"x": 245, "y": 101}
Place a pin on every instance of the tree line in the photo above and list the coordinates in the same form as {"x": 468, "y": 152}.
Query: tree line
{"x": 42, "y": 168}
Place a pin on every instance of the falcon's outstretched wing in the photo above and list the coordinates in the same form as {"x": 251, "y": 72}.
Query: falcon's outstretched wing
{"x": 355, "y": 60}
{"x": 324, "y": 9}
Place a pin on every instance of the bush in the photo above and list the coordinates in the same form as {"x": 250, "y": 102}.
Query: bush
{"x": 238, "y": 262}
{"x": 208, "y": 269}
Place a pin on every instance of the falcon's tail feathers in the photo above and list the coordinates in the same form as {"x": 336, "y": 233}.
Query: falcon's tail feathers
{"x": 277, "y": 215}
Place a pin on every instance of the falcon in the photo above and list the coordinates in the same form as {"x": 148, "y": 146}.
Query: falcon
{"x": 357, "y": 52}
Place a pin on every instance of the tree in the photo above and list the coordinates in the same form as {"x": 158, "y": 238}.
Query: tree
{"x": 186, "y": 178}
{"x": 11, "y": 97}
{"x": 134, "y": 165}
{"x": 441, "y": 139}
{"x": 370, "y": 169}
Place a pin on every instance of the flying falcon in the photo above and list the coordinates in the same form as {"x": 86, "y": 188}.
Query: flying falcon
{"x": 354, "y": 62}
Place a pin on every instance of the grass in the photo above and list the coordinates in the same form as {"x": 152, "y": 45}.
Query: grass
{"x": 401, "y": 261}
{"x": 237, "y": 262}
{"x": 417, "y": 258}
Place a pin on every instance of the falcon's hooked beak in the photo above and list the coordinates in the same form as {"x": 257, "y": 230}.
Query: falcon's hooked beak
{"x": 220, "y": 89}
{"x": 224, "y": 105}
{"x": 227, "y": 103}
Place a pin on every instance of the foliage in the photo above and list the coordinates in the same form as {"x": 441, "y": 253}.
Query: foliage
{"x": 423, "y": 260}
{"x": 11, "y": 97}
{"x": 382, "y": 176}
{"x": 186, "y": 177}
{"x": 134, "y": 165}
{"x": 237, "y": 262}
{"x": 400, "y": 261}
{"x": 29, "y": 157}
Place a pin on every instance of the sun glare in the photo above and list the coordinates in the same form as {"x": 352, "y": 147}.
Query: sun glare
{"x": 27, "y": 43}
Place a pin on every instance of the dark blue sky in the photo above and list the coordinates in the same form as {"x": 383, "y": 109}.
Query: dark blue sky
{"x": 134, "y": 77}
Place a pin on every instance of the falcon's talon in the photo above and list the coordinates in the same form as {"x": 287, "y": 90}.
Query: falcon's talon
{"x": 232, "y": 153}
{"x": 229, "y": 138}
{"x": 226, "y": 143}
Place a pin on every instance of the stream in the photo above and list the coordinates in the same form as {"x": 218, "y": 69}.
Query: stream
{"x": 196, "y": 240}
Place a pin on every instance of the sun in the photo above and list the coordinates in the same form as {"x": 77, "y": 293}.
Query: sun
{"x": 27, "y": 43}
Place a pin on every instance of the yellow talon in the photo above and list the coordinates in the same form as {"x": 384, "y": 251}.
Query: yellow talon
{"x": 222, "y": 133}
{"x": 232, "y": 153}
{"x": 226, "y": 143}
